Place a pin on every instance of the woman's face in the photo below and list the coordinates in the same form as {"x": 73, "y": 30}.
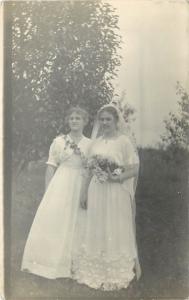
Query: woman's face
{"x": 107, "y": 122}
{"x": 76, "y": 122}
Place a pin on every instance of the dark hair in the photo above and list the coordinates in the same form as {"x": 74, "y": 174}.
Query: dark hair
{"x": 111, "y": 110}
{"x": 80, "y": 111}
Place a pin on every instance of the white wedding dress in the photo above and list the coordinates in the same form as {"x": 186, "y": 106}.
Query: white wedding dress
{"x": 48, "y": 250}
{"x": 106, "y": 259}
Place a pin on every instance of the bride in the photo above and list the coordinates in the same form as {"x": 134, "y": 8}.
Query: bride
{"x": 48, "y": 248}
{"x": 108, "y": 256}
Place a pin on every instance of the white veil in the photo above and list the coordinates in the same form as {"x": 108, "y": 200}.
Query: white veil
{"x": 122, "y": 126}
{"x": 124, "y": 129}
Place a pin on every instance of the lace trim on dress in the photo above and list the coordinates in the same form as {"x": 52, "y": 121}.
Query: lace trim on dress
{"x": 100, "y": 272}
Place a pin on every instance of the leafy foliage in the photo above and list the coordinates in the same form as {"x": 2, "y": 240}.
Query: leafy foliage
{"x": 62, "y": 53}
{"x": 177, "y": 126}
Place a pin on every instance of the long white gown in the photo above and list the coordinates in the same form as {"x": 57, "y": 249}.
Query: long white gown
{"x": 107, "y": 256}
{"x": 48, "y": 250}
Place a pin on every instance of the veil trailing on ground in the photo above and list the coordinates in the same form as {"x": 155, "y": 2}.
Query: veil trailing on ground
{"x": 124, "y": 129}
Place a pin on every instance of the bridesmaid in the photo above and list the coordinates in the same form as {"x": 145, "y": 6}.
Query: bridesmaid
{"x": 48, "y": 250}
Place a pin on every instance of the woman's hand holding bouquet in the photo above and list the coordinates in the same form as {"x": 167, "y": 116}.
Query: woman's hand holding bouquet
{"x": 116, "y": 175}
{"x": 105, "y": 169}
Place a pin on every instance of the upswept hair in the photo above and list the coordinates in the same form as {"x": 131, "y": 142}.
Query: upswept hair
{"x": 111, "y": 110}
{"x": 80, "y": 111}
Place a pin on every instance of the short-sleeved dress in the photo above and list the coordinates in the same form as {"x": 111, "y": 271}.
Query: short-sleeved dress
{"x": 49, "y": 245}
{"x": 107, "y": 257}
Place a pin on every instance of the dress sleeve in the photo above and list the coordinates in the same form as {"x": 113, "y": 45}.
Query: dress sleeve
{"x": 130, "y": 155}
{"x": 54, "y": 154}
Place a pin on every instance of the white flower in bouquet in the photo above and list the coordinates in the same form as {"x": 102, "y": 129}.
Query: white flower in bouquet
{"x": 117, "y": 171}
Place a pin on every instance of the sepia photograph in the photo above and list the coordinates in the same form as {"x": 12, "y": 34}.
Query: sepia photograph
{"x": 96, "y": 149}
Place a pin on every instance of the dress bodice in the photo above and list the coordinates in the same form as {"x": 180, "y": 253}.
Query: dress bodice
{"x": 118, "y": 149}
{"x": 62, "y": 151}
{"x": 121, "y": 151}
{"x": 73, "y": 161}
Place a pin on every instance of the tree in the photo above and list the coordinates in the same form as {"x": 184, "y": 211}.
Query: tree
{"x": 177, "y": 125}
{"x": 62, "y": 53}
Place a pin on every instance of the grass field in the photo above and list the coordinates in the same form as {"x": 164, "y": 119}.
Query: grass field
{"x": 162, "y": 234}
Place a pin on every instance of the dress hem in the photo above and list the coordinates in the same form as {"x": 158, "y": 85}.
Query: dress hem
{"x": 43, "y": 271}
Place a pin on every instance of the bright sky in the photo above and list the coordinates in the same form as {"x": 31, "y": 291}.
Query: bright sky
{"x": 155, "y": 56}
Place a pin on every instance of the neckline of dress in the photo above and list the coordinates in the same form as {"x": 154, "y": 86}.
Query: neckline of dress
{"x": 74, "y": 141}
{"x": 111, "y": 139}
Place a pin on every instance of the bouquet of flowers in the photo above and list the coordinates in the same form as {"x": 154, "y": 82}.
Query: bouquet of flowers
{"x": 101, "y": 167}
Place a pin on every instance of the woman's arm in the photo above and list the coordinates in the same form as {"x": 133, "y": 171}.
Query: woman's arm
{"x": 130, "y": 171}
{"x": 84, "y": 189}
{"x": 49, "y": 174}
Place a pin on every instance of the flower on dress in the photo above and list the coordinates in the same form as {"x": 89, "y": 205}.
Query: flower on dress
{"x": 76, "y": 150}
